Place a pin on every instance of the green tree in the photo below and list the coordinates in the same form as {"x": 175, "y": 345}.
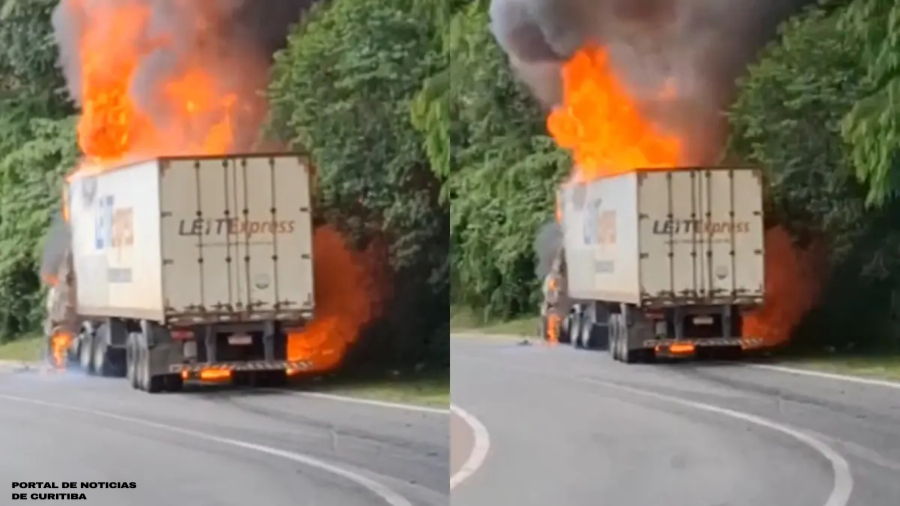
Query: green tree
{"x": 343, "y": 89}
{"x": 487, "y": 135}
{"x": 37, "y": 144}
{"x": 873, "y": 126}
{"x": 787, "y": 118}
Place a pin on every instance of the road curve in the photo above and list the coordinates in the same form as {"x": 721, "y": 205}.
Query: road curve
{"x": 217, "y": 447}
{"x": 573, "y": 427}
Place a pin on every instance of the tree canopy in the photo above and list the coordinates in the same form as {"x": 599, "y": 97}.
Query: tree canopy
{"x": 426, "y": 142}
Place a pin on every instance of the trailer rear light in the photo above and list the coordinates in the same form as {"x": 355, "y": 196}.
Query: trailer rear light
{"x": 655, "y": 316}
{"x": 214, "y": 374}
{"x": 681, "y": 348}
{"x": 181, "y": 334}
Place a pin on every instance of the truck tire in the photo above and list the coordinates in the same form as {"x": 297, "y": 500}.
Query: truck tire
{"x": 147, "y": 382}
{"x": 599, "y": 337}
{"x": 586, "y": 335}
{"x": 131, "y": 362}
{"x": 86, "y": 354}
{"x": 614, "y": 345}
{"x": 575, "y": 324}
{"x": 101, "y": 364}
{"x": 173, "y": 383}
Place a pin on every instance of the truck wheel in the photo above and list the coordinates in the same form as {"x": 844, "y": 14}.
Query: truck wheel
{"x": 102, "y": 366}
{"x": 173, "y": 383}
{"x": 575, "y": 330}
{"x": 86, "y": 354}
{"x": 600, "y": 336}
{"x": 565, "y": 337}
{"x": 614, "y": 336}
{"x": 131, "y": 363}
{"x": 586, "y": 335}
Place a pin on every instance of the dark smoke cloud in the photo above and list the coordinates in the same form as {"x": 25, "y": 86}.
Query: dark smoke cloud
{"x": 231, "y": 39}
{"x": 702, "y": 46}
{"x": 55, "y": 246}
{"x": 546, "y": 246}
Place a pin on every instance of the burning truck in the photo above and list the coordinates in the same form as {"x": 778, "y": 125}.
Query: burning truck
{"x": 183, "y": 268}
{"x": 658, "y": 263}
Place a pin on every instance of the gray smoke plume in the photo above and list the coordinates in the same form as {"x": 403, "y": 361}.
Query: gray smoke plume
{"x": 56, "y": 244}
{"x": 700, "y": 46}
{"x": 546, "y": 246}
{"x": 232, "y": 40}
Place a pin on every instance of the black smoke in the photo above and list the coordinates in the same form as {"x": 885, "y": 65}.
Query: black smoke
{"x": 233, "y": 40}
{"x": 701, "y": 46}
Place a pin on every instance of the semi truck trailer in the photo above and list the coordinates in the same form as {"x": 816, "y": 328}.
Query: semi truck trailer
{"x": 184, "y": 268}
{"x": 658, "y": 263}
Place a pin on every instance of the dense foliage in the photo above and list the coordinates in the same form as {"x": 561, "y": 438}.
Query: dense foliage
{"x": 410, "y": 106}
{"x": 343, "y": 88}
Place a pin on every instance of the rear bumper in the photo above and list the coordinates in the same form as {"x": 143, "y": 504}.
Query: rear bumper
{"x": 719, "y": 342}
{"x": 253, "y": 365}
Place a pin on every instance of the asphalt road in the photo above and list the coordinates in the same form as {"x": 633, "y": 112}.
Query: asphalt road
{"x": 573, "y": 427}
{"x": 217, "y": 448}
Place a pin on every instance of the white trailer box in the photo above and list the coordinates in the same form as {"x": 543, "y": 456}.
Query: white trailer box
{"x": 194, "y": 239}
{"x": 666, "y": 237}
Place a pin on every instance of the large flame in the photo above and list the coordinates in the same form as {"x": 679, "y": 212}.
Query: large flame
{"x": 793, "y": 283}
{"x": 347, "y": 298}
{"x": 114, "y": 126}
{"x": 601, "y": 123}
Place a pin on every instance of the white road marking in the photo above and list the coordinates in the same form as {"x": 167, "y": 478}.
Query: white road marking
{"x": 479, "y": 449}
{"x": 389, "y": 496}
{"x": 369, "y": 402}
{"x": 843, "y": 480}
{"x": 827, "y": 375}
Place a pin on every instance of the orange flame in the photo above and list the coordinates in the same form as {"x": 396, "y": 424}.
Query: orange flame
{"x": 347, "y": 298}
{"x": 113, "y": 126}
{"x": 59, "y": 343}
{"x": 601, "y": 124}
{"x": 793, "y": 284}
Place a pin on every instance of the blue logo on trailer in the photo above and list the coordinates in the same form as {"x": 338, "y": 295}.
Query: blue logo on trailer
{"x": 103, "y": 223}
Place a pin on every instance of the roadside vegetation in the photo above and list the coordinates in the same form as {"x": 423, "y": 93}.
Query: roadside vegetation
{"x": 814, "y": 110}
{"x": 345, "y": 87}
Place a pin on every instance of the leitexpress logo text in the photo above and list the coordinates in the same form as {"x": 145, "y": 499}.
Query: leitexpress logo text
{"x": 684, "y": 227}
{"x": 234, "y": 226}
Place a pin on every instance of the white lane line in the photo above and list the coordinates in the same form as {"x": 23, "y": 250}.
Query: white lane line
{"x": 479, "y": 448}
{"x": 843, "y": 480}
{"x": 389, "y": 496}
{"x": 827, "y": 375}
{"x": 370, "y": 402}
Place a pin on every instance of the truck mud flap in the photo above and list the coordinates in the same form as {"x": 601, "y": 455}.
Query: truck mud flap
{"x": 256, "y": 365}
{"x": 746, "y": 343}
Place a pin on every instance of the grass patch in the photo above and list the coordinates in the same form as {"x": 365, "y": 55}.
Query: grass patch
{"x": 26, "y": 349}
{"x": 431, "y": 388}
{"x": 465, "y": 319}
{"x": 886, "y": 366}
